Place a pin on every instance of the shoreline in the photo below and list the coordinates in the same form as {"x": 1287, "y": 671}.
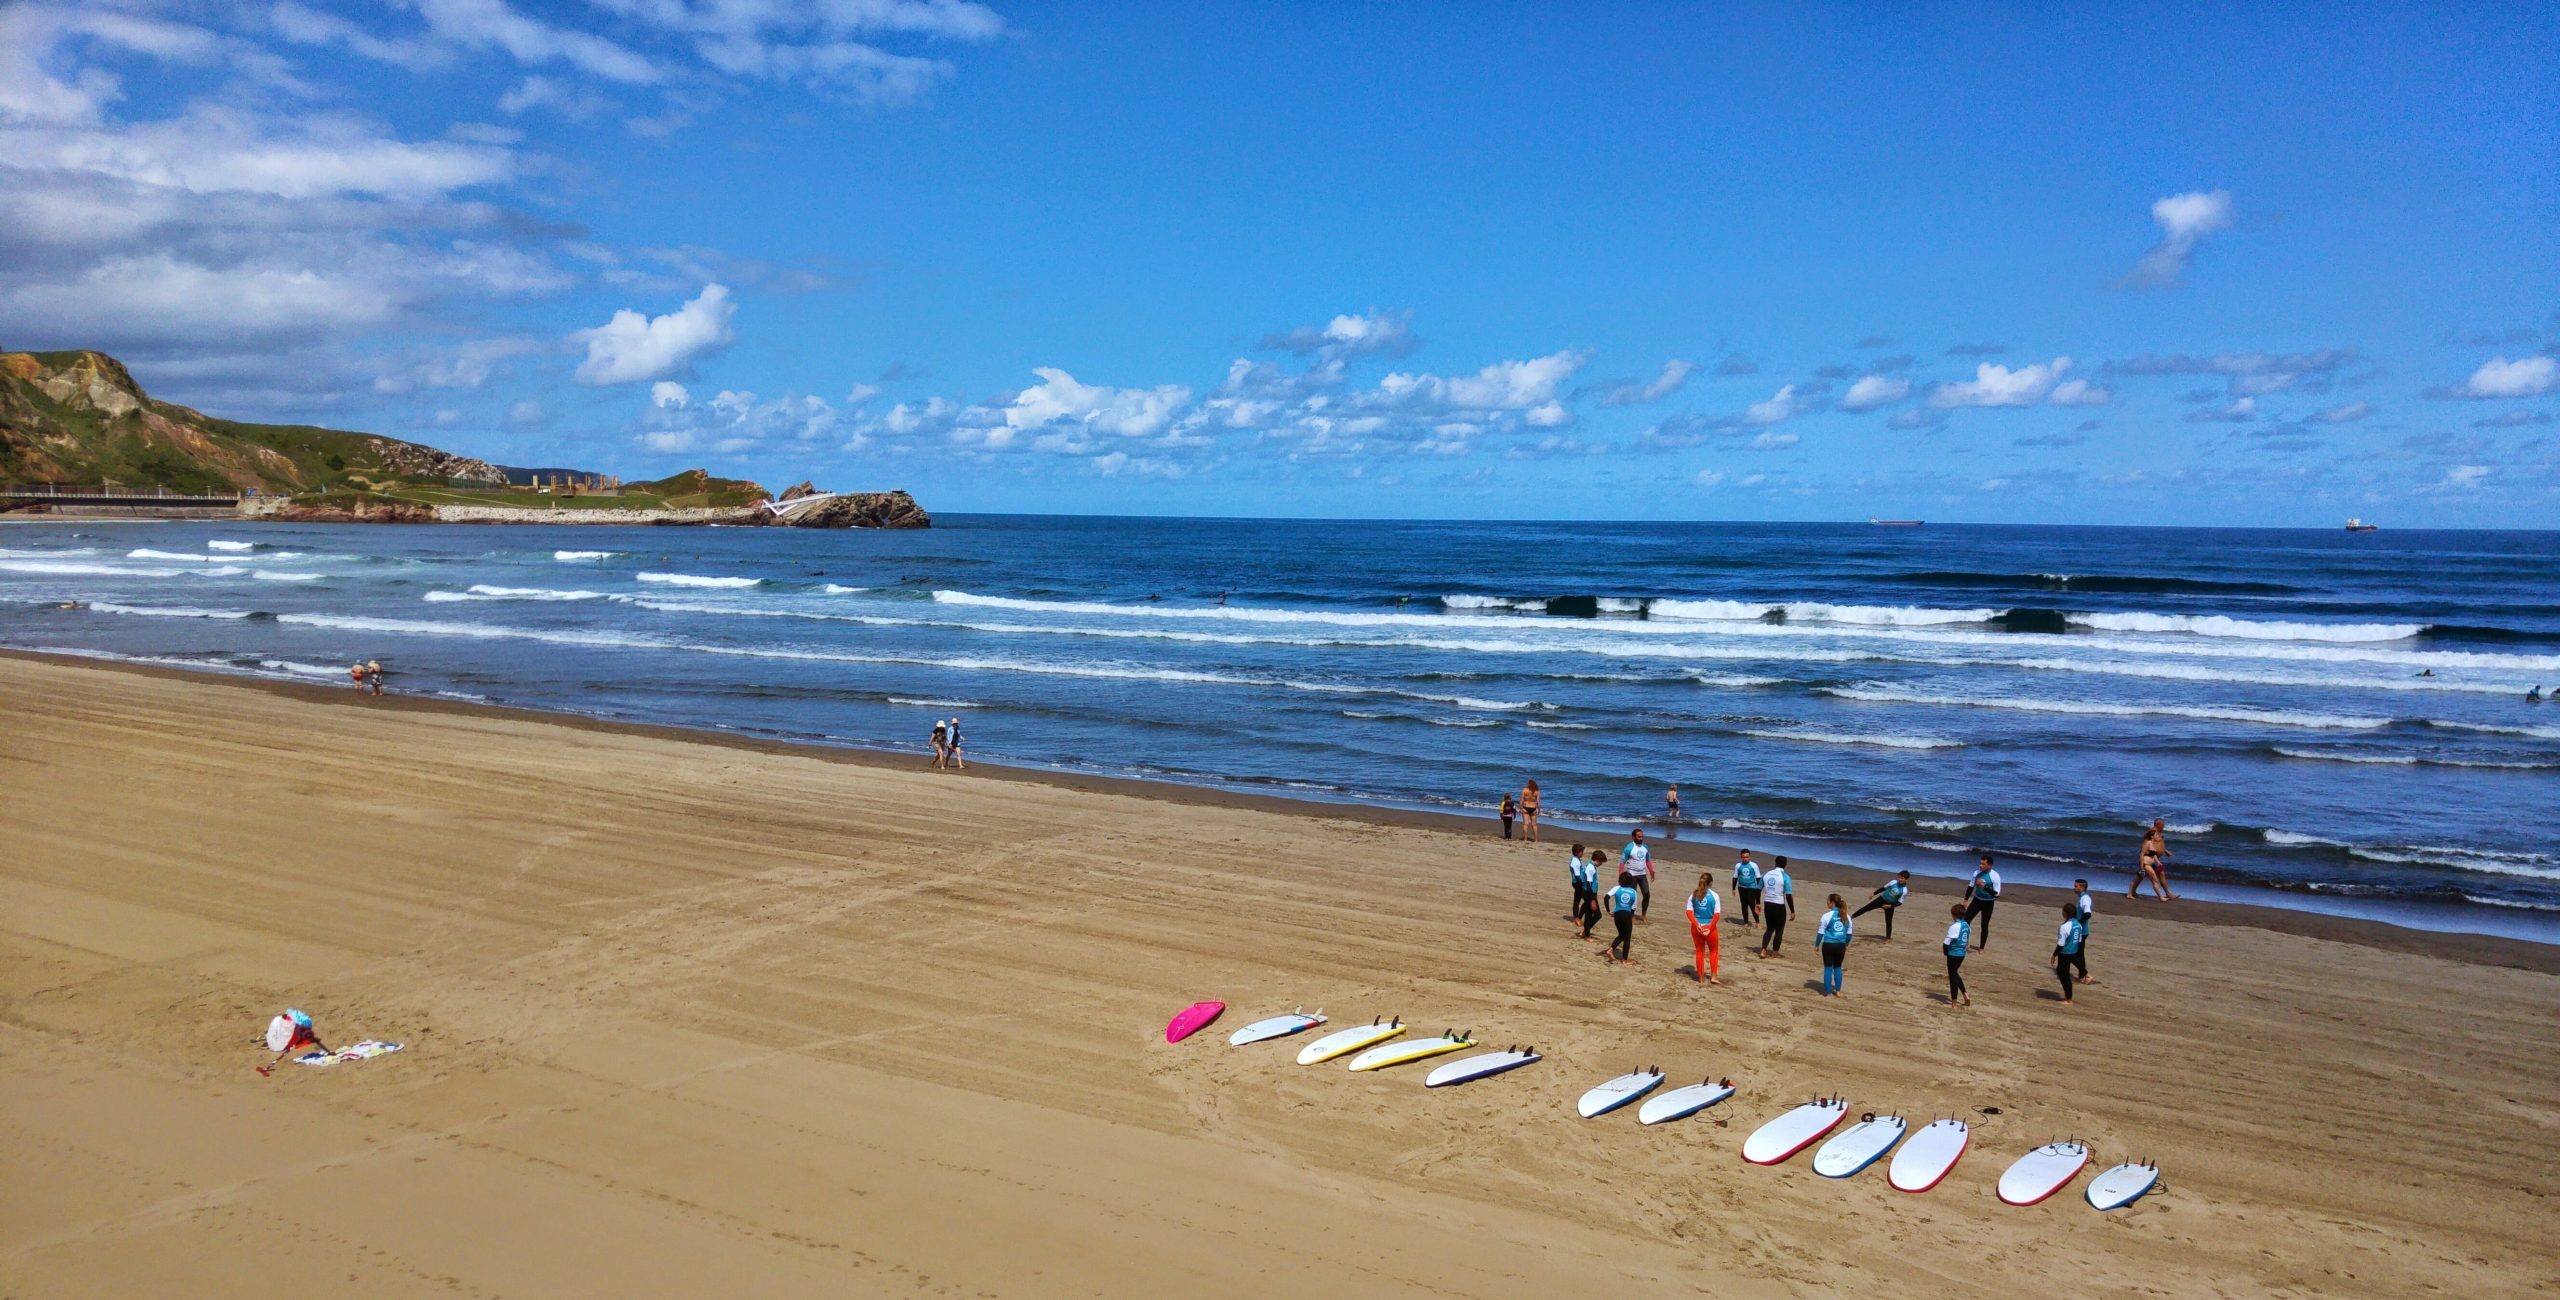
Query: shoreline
{"x": 1695, "y": 852}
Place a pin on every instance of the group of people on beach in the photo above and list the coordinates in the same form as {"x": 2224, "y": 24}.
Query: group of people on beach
{"x": 1766, "y": 897}
{"x": 947, "y": 754}
{"x": 367, "y": 676}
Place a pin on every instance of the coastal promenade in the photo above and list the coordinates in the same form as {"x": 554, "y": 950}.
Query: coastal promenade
{"x": 694, "y": 1016}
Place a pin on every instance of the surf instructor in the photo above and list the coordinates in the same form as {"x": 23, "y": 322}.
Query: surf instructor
{"x": 1636, "y": 860}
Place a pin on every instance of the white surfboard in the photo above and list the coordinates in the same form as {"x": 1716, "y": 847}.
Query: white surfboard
{"x": 1418, "y": 1049}
{"x": 1481, "y": 1067}
{"x": 2122, "y": 1185}
{"x": 1794, "y": 1131}
{"x": 1858, "y": 1146}
{"x": 1343, "y": 1042}
{"x": 1618, "y": 1092}
{"x": 1261, "y": 1031}
{"x": 2042, "y": 1172}
{"x": 1925, "y": 1159}
{"x": 1681, "y": 1103}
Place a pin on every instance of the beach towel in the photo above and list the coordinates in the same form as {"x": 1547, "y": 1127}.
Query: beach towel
{"x": 366, "y": 1050}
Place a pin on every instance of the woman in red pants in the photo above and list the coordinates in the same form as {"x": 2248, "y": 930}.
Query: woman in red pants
{"x": 1705, "y": 907}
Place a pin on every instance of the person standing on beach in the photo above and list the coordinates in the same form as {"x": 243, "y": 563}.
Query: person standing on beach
{"x": 958, "y": 763}
{"x": 1980, "y": 894}
{"x": 373, "y": 675}
{"x": 1705, "y": 909}
{"x": 2155, "y": 862}
{"x": 1636, "y": 860}
{"x": 1622, "y": 909}
{"x": 1777, "y": 894}
{"x": 1510, "y": 812}
{"x": 1833, "y": 939}
{"x": 356, "y": 675}
{"x": 1529, "y": 811}
{"x": 2066, "y": 948}
{"x": 1591, "y": 871}
{"x": 1586, "y": 887}
{"x": 1954, "y": 947}
{"x": 1671, "y": 805}
{"x": 941, "y": 745}
{"x": 1746, "y": 883}
{"x": 1888, "y": 896}
{"x": 2086, "y": 908}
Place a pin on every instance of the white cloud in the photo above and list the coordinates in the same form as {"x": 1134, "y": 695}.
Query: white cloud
{"x": 493, "y": 24}
{"x": 1550, "y": 416}
{"x": 2523, "y": 377}
{"x": 1126, "y": 412}
{"x": 1675, "y": 373}
{"x": 1502, "y": 386}
{"x": 1997, "y": 385}
{"x": 2184, "y": 220}
{"x": 1873, "y": 391}
{"x": 2079, "y": 392}
{"x": 2346, "y": 414}
{"x": 1780, "y": 405}
{"x": 1773, "y": 441}
{"x": 667, "y": 394}
{"x": 1707, "y": 478}
{"x": 2466, "y": 476}
{"x": 632, "y": 347}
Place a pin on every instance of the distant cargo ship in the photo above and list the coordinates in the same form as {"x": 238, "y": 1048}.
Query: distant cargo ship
{"x": 2360, "y": 526}
{"x": 1896, "y": 523}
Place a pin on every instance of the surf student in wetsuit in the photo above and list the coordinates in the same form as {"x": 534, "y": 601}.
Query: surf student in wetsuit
{"x": 1777, "y": 895}
{"x": 1746, "y": 883}
{"x": 1957, "y": 935}
{"x": 1705, "y": 907}
{"x": 1888, "y": 896}
{"x": 1591, "y": 872}
{"x": 1510, "y": 810}
{"x": 1981, "y": 893}
{"x": 1622, "y": 909}
{"x": 1586, "y": 887}
{"x": 2066, "y": 948}
{"x": 2086, "y": 908}
{"x": 1833, "y": 939}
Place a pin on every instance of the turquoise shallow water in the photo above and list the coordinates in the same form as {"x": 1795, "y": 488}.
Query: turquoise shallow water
{"x": 2327, "y": 715}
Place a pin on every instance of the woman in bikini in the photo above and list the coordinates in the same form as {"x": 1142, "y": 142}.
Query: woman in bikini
{"x": 2155, "y": 860}
{"x": 1529, "y": 811}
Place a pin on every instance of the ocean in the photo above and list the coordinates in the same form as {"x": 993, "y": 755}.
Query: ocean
{"x": 2329, "y": 719}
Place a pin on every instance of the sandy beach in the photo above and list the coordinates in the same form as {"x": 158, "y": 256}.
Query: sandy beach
{"x": 689, "y": 1016}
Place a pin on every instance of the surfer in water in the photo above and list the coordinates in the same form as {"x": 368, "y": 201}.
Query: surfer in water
{"x": 1746, "y": 886}
{"x": 1833, "y": 939}
{"x": 1777, "y": 897}
{"x": 1957, "y": 935}
{"x": 2066, "y": 948}
{"x": 1591, "y": 875}
{"x": 2155, "y": 862}
{"x": 1982, "y": 893}
{"x": 1622, "y": 909}
{"x": 1888, "y": 896}
{"x": 1705, "y": 908}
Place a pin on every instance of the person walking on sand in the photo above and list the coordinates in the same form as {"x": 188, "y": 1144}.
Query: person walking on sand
{"x": 1777, "y": 895}
{"x": 1980, "y": 894}
{"x": 1671, "y": 806}
{"x": 1529, "y": 811}
{"x": 1833, "y": 939}
{"x": 1746, "y": 885}
{"x": 1622, "y": 909}
{"x": 356, "y": 675}
{"x": 2086, "y": 908}
{"x": 1510, "y": 813}
{"x": 2066, "y": 949}
{"x": 959, "y": 763}
{"x": 1592, "y": 871}
{"x": 1888, "y": 896}
{"x": 2155, "y": 862}
{"x": 941, "y": 745}
{"x": 1954, "y": 947}
{"x": 373, "y": 675}
{"x": 294, "y": 1027}
{"x": 1637, "y": 860}
{"x": 1586, "y": 886}
{"x": 1705, "y": 908}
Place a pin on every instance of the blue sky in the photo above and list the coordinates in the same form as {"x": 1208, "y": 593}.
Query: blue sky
{"x": 2177, "y": 264}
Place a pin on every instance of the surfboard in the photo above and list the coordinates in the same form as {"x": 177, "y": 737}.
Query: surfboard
{"x": 1858, "y": 1146}
{"x": 1925, "y": 1159}
{"x": 1481, "y": 1067}
{"x": 1417, "y": 1049}
{"x": 2123, "y": 1185}
{"x": 1343, "y": 1042}
{"x": 2042, "y": 1172}
{"x": 1618, "y": 1092}
{"x": 1191, "y": 1019}
{"x": 1681, "y": 1103}
{"x": 1275, "y": 1027}
{"x": 1792, "y": 1132}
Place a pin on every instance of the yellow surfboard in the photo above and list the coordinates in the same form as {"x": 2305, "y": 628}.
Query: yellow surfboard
{"x": 1420, "y": 1049}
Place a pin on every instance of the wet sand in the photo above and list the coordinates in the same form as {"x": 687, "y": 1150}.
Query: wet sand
{"x": 696, "y": 1015}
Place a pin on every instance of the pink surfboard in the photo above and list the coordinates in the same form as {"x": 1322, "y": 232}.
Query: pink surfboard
{"x": 1192, "y": 1020}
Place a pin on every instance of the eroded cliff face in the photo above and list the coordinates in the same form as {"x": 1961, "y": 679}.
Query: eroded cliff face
{"x": 860, "y": 510}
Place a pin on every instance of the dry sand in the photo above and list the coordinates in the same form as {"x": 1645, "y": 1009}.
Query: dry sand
{"x": 699, "y": 1018}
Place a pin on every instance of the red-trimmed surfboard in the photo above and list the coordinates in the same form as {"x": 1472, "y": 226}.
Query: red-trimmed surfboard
{"x": 2042, "y": 1172}
{"x": 1793, "y": 1132}
{"x": 1928, "y": 1155}
{"x": 1192, "y": 1020}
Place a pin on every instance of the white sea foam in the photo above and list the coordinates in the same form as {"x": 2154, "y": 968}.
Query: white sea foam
{"x": 2222, "y": 625}
{"x": 1847, "y": 738}
{"x": 300, "y": 669}
{"x": 270, "y": 575}
{"x": 2515, "y": 903}
{"x": 1936, "y": 824}
{"x": 697, "y": 580}
{"x": 167, "y": 611}
{"x": 2243, "y": 677}
{"x": 483, "y": 591}
{"x": 1464, "y": 722}
{"x": 2294, "y": 840}
{"x": 1491, "y": 602}
{"x": 2189, "y": 828}
{"x": 2493, "y": 729}
{"x": 834, "y": 589}
{"x": 576, "y": 557}
{"x": 1815, "y": 612}
{"x": 221, "y": 544}
{"x": 74, "y": 569}
{"x": 146, "y": 553}
{"x": 2267, "y": 717}
{"x": 2533, "y": 866}
{"x": 1561, "y": 726}
{"x": 932, "y": 704}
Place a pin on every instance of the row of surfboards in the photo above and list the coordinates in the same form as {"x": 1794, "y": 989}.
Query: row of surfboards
{"x": 1921, "y": 1162}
